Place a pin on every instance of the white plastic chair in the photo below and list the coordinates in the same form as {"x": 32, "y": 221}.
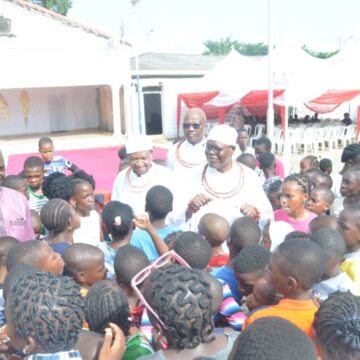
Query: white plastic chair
{"x": 248, "y": 129}
{"x": 258, "y": 133}
{"x": 278, "y": 141}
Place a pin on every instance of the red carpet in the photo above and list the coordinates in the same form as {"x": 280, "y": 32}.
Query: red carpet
{"x": 101, "y": 163}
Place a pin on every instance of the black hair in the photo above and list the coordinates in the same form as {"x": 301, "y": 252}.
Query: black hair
{"x": 46, "y": 186}
{"x": 106, "y": 302}
{"x": 6, "y": 243}
{"x": 325, "y": 178}
{"x": 170, "y": 238}
{"x": 266, "y": 160}
{"x": 85, "y": 177}
{"x": 244, "y": 231}
{"x": 325, "y": 192}
{"x": 33, "y": 162}
{"x": 122, "y": 153}
{"x": 158, "y": 202}
{"x": 313, "y": 160}
{"x": 302, "y": 259}
{"x": 337, "y": 326}
{"x": 13, "y": 182}
{"x": 331, "y": 243}
{"x": 242, "y": 130}
{"x": 129, "y": 260}
{"x": 194, "y": 249}
{"x": 44, "y": 141}
{"x": 301, "y": 180}
{"x": 275, "y": 186}
{"x": 296, "y": 235}
{"x": 118, "y": 219}
{"x": 61, "y": 188}
{"x": 48, "y": 308}
{"x": 354, "y": 211}
{"x": 273, "y": 338}
{"x": 251, "y": 258}
{"x": 247, "y": 159}
{"x": 27, "y": 252}
{"x": 325, "y": 164}
{"x": 181, "y": 297}
{"x": 350, "y": 152}
{"x": 56, "y": 215}
{"x": 264, "y": 141}
{"x": 323, "y": 221}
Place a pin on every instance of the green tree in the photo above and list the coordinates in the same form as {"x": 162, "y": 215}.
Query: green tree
{"x": 60, "y": 6}
{"x": 320, "y": 54}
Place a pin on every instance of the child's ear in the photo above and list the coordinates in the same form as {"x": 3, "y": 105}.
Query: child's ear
{"x": 327, "y": 206}
{"x": 30, "y": 346}
{"x": 81, "y": 277}
{"x": 72, "y": 202}
{"x": 292, "y": 283}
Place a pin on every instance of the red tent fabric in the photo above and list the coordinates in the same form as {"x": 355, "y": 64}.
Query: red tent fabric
{"x": 257, "y": 101}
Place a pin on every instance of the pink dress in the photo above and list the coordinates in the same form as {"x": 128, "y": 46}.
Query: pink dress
{"x": 298, "y": 225}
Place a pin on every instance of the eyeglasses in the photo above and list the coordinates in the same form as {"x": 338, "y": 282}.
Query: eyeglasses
{"x": 216, "y": 149}
{"x": 169, "y": 258}
{"x": 195, "y": 126}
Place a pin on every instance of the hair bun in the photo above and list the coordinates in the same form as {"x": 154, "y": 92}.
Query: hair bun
{"x": 351, "y": 333}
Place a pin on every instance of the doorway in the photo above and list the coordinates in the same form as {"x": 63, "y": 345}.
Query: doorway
{"x": 153, "y": 111}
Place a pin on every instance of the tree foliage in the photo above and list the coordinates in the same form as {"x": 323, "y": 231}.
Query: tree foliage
{"x": 60, "y": 6}
{"x": 320, "y": 54}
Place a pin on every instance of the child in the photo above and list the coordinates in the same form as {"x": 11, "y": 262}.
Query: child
{"x": 118, "y": 222}
{"x": 248, "y": 160}
{"x": 36, "y": 253}
{"x": 46, "y": 187}
{"x": 295, "y": 266}
{"x": 274, "y": 233}
{"x": 85, "y": 264}
{"x": 53, "y": 163}
{"x": 320, "y": 200}
{"x": 333, "y": 247}
{"x": 61, "y": 220}
{"x": 349, "y": 228}
{"x": 44, "y": 315}
{"x": 34, "y": 175}
{"x": 17, "y": 183}
{"x": 295, "y": 193}
{"x": 215, "y": 230}
{"x": 274, "y": 194}
{"x": 158, "y": 204}
{"x": 327, "y": 167}
{"x": 249, "y": 267}
{"x": 308, "y": 162}
{"x": 322, "y": 221}
{"x": 267, "y": 165}
{"x": 337, "y": 327}
{"x": 243, "y": 144}
{"x": 170, "y": 238}
{"x": 36, "y": 223}
{"x": 318, "y": 178}
{"x": 105, "y": 303}
{"x": 350, "y": 186}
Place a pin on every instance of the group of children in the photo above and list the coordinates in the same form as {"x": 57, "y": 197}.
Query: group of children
{"x": 101, "y": 282}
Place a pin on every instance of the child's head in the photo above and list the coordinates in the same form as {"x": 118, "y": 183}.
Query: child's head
{"x": 295, "y": 266}
{"x": 295, "y": 192}
{"x": 129, "y": 260}
{"x": 248, "y": 160}
{"x": 273, "y": 338}
{"x": 243, "y": 138}
{"x": 59, "y": 216}
{"x": 81, "y": 174}
{"x": 36, "y": 223}
{"x": 349, "y": 227}
{"x": 46, "y": 149}
{"x": 118, "y": 220}
{"x": 36, "y": 253}
{"x": 169, "y": 239}
{"x": 193, "y": 249}
{"x": 323, "y": 221}
{"x": 350, "y": 184}
{"x": 62, "y": 188}
{"x": 214, "y": 229}
{"x": 244, "y": 231}
{"x": 337, "y": 327}
{"x": 249, "y": 267}
{"x": 326, "y": 166}
{"x": 44, "y": 313}
{"x": 318, "y": 178}
{"x": 320, "y": 200}
{"x": 308, "y": 162}
{"x": 34, "y": 172}
{"x": 83, "y": 199}
{"x": 6, "y": 243}
{"x": 262, "y": 145}
{"x": 274, "y": 194}
{"x": 17, "y": 183}
{"x": 296, "y": 235}
{"x": 216, "y": 290}
{"x": 106, "y": 303}
{"x": 267, "y": 161}
{"x": 274, "y": 233}
{"x": 46, "y": 187}
{"x": 85, "y": 263}
{"x": 158, "y": 202}
{"x": 332, "y": 245}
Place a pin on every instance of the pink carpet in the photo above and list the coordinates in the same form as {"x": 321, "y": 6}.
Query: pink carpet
{"x": 101, "y": 163}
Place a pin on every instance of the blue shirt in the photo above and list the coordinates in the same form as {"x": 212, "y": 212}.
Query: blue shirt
{"x": 142, "y": 240}
{"x": 109, "y": 255}
{"x": 64, "y": 355}
{"x": 58, "y": 164}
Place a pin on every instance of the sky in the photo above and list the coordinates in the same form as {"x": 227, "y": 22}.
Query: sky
{"x": 182, "y": 26}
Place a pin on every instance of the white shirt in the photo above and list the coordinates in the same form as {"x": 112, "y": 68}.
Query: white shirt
{"x": 89, "y": 230}
{"x": 238, "y": 152}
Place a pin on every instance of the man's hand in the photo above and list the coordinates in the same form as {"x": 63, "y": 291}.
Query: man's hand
{"x": 195, "y": 204}
{"x": 251, "y": 211}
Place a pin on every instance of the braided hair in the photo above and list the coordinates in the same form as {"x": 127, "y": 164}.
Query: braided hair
{"x": 301, "y": 180}
{"x": 337, "y": 326}
{"x": 48, "y": 308}
{"x": 106, "y": 302}
{"x": 182, "y": 299}
{"x": 55, "y": 215}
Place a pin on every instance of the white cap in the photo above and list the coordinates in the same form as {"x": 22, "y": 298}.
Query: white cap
{"x": 277, "y": 232}
{"x": 224, "y": 134}
{"x": 138, "y": 143}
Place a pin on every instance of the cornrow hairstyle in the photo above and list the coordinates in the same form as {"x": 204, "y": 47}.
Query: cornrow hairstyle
{"x": 182, "y": 299}
{"x": 6, "y": 243}
{"x": 14, "y": 182}
{"x": 313, "y": 160}
{"x": 266, "y": 160}
{"x": 158, "y": 202}
{"x": 61, "y": 188}
{"x": 325, "y": 164}
{"x": 273, "y": 338}
{"x": 331, "y": 243}
{"x": 170, "y": 238}
{"x": 129, "y": 260}
{"x": 82, "y": 175}
{"x": 106, "y": 302}
{"x": 193, "y": 249}
{"x": 118, "y": 219}
{"x": 251, "y": 258}
{"x": 46, "y": 186}
{"x": 55, "y": 215}
{"x": 45, "y": 141}
{"x": 275, "y": 186}
{"x": 337, "y": 326}
{"x": 301, "y": 180}
{"x": 302, "y": 259}
{"x": 33, "y": 162}
{"x": 48, "y": 308}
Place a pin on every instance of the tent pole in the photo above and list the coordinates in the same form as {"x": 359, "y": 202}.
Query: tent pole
{"x": 270, "y": 110}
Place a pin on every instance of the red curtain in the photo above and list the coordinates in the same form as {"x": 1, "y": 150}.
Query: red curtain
{"x": 257, "y": 101}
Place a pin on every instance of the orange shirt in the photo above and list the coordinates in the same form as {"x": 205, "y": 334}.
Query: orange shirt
{"x": 301, "y": 313}
{"x": 218, "y": 261}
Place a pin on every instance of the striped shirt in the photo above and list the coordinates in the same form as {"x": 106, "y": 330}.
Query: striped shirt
{"x": 36, "y": 202}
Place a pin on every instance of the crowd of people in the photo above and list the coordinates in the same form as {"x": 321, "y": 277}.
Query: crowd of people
{"x": 215, "y": 254}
